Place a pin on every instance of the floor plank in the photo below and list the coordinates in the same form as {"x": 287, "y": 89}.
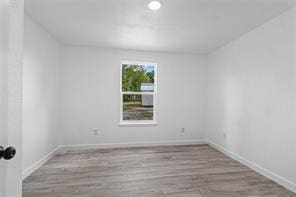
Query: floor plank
{"x": 172, "y": 171}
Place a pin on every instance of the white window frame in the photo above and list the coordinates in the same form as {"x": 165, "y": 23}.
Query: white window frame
{"x": 139, "y": 122}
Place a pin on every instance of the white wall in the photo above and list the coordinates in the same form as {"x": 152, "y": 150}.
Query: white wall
{"x": 252, "y": 97}
{"x": 90, "y": 97}
{"x": 40, "y": 93}
{"x": 4, "y": 36}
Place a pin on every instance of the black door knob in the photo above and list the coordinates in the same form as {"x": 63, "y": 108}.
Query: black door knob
{"x": 7, "y": 153}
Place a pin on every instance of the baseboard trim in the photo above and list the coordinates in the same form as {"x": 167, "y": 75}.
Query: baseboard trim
{"x": 40, "y": 163}
{"x": 267, "y": 173}
{"x": 133, "y": 144}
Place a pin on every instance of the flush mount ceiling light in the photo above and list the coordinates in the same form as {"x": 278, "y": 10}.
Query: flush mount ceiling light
{"x": 155, "y": 4}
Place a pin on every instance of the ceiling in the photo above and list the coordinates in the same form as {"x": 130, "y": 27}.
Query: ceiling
{"x": 199, "y": 26}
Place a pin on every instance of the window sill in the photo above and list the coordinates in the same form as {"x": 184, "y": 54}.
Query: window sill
{"x": 153, "y": 123}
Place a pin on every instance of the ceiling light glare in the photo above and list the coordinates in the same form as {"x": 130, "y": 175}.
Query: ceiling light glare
{"x": 155, "y": 4}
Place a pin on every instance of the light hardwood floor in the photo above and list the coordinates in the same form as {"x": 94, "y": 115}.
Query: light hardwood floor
{"x": 176, "y": 171}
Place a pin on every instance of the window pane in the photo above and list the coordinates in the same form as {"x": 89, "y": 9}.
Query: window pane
{"x": 137, "y": 78}
{"x": 137, "y": 107}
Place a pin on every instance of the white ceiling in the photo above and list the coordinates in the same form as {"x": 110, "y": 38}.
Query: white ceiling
{"x": 180, "y": 25}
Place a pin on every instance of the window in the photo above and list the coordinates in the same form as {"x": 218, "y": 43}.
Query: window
{"x": 138, "y": 90}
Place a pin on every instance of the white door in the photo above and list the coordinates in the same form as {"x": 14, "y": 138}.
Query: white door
{"x": 11, "y": 32}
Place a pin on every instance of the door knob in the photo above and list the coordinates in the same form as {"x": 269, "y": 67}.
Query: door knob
{"x": 7, "y": 153}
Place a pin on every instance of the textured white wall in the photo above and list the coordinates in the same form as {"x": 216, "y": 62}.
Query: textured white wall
{"x": 90, "y": 97}
{"x": 40, "y": 93}
{"x": 252, "y": 96}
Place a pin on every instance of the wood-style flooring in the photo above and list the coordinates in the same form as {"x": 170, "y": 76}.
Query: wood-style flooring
{"x": 175, "y": 171}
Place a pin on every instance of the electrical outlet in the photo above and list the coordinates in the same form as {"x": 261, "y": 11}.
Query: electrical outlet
{"x": 182, "y": 130}
{"x": 224, "y": 135}
{"x": 95, "y": 131}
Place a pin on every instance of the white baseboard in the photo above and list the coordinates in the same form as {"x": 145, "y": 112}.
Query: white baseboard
{"x": 133, "y": 144}
{"x": 267, "y": 173}
{"x": 40, "y": 162}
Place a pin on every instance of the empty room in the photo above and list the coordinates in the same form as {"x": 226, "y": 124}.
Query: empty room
{"x": 148, "y": 98}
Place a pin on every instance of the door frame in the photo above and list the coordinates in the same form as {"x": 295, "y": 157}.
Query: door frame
{"x": 14, "y": 96}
